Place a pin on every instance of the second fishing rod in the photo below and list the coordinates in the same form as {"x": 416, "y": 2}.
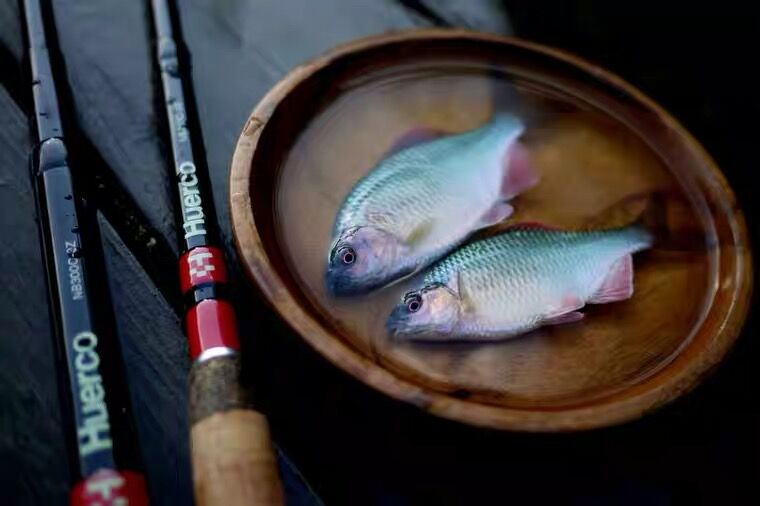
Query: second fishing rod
{"x": 105, "y": 459}
{"x": 232, "y": 456}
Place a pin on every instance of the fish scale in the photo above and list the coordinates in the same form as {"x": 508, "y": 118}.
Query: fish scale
{"x": 511, "y": 281}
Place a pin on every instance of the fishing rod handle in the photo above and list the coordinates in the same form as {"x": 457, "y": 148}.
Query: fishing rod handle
{"x": 233, "y": 459}
{"x": 232, "y": 455}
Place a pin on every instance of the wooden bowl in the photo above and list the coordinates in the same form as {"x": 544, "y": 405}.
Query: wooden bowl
{"x": 596, "y": 141}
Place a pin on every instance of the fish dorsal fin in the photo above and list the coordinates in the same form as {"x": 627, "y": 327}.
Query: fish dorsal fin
{"x": 519, "y": 173}
{"x": 532, "y": 225}
{"x": 414, "y": 136}
{"x": 453, "y": 284}
{"x": 496, "y": 214}
{"x": 419, "y": 232}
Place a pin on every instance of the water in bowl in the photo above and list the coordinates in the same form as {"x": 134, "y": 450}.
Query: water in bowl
{"x": 588, "y": 162}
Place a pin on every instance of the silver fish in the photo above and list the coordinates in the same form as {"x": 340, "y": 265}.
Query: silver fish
{"x": 421, "y": 201}
{"x": 517, "y": 281}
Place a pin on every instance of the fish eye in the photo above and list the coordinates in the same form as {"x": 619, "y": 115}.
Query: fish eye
{"x": 347, "y": 255}
{"x": 414, "y": 303}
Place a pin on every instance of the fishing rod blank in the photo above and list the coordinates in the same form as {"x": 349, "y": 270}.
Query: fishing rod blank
{"x": 232, "y": 456}
{"x": 106, "y": 459}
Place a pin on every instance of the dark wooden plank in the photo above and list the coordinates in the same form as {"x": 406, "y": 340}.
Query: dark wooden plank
{"x": 483, "y": 15}
{"x": 33, "y": 458}
{"x": 155, "y": 356}
{"x": 103, "y": 186}
{"x": 110, "y": 74}
{"x": 11, "y": 50}
{"x": 10, "y": 29}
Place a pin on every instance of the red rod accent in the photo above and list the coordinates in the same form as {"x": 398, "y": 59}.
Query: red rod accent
{"x": 204, "y": 264}
{"x": 107, "y": 487}
{"x": 209, "y": 324}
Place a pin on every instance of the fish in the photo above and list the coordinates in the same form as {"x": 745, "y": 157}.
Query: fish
{"x": 424, "y": 199}
{"x": 517, "y": 281}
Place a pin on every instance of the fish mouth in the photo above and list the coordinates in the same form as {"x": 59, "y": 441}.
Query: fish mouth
{"x": 337, "y": 288}
{"x": 344, "y": 290}
{"x": 398, "y": 329}
{"x": 396, "y": 325}
{"x": 393, "y": 329}
{"x": 340, "y": 286}
{"x": 394, "y": 322}
{"x": 398, "y": 333}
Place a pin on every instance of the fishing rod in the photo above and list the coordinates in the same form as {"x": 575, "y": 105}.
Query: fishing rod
{"x": 232, "y": 456}
{"x": 106, "y": 461}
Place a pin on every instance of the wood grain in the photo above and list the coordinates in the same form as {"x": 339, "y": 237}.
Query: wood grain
{"x": 629, "y": 359}
{"x": 31, "y": 431}
{"x": 113, "y": 98}
{"x": 10, "y": 35}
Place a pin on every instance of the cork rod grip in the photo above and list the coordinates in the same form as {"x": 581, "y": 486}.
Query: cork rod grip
{"x": 232, "y": 455}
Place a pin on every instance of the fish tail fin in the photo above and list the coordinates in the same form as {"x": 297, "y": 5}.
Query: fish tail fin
{"x": 639, "y": 236}
{"x": 509, "y": 118}
{"x": 518, "y": 171}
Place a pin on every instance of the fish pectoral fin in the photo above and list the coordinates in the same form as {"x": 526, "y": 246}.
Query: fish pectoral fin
{"x": 498, "y": 213}
{"x": 571, "y": 317}
{"x": 566, "y": 313}
{"x": 419, "y": 232}
{"x": 618, "y": 285}
{"x": 453, "y": 284}
{"x": 519, "y": 172}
